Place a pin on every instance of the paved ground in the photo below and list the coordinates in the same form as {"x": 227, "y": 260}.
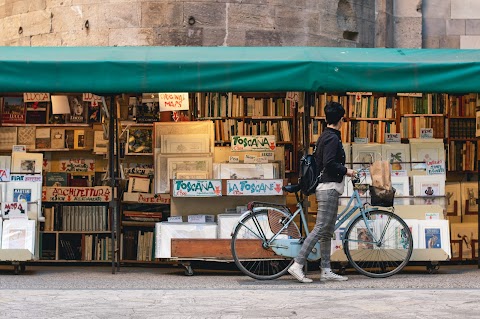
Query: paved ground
{"x": 165, "y": 292}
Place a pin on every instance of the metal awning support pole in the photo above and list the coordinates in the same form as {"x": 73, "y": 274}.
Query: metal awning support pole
{"x": 111, "y": 172}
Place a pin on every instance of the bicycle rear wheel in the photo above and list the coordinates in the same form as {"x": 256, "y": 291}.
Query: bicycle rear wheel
{"x": 382, "y": 252}
{"x": 249, "y": 244}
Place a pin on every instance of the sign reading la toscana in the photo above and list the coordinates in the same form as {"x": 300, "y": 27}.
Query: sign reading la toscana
{"x": 197, "y": 188}
{"x": 253, "y": 143}
{"x": 249, "y": 187}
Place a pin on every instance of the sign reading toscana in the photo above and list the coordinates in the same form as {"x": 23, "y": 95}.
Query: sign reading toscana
{"x": 253, "y": 143}
{"x": 239, "y": 187}
{"x": 197, "y": 188}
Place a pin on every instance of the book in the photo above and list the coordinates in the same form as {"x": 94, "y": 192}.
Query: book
{"x": 78, "y": 139}
{"x": 100, "y": 145}
{"x": 26, "y": 136}
{"x": 42, "y": 138}
{"x": 78, "y": 109}
{"x": 69, "y": 139}
{"x": 56, "y": 179}
{"x": 57, "y": 138}
{"x": 8, "y": 137}
{"x": 433, "y": 238}
{"x": 13, "y": 110}
{"x": 36, "y": 105}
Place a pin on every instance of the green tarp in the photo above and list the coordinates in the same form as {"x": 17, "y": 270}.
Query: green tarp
{"x": 239, "y": 69}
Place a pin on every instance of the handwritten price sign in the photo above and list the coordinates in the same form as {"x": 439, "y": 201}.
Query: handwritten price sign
{"x": 173, "y": 101}
{"x": 250, "y": 187}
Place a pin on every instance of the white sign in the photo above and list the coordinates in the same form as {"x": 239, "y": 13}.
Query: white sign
{"x": 430, "y": 216}
{"x": 249, "y": 158}
{"x": 252, "y": 187}
{"x": 19, "y": 149}
{"x": 436, "y": 167}
{"x": 173, "y": 101}
{"x": 268, "y": 155}
{"x": 392, "y": 138}
{"x": 234, "y": 159}
{"x": 361, "y": 140}
{"x": 399, "y": 173}
{"x": 253, "y": 143}
{"x": 426, "y": 133}
{"x": 15, "y": 210}
{"x": 26, "y": 178}
{"x": 92, "y": 98}
{"x": 197, "y": 188}
{"x": 410, "y": 94}
{"x": 36, "y": 97}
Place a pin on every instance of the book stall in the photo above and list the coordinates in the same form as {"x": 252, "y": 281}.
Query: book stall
{"x": 140, "y": 175}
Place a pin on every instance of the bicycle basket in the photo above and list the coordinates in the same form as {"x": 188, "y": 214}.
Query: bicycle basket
{"x": 276, "y": 221}
{"x": 382, "y": 197}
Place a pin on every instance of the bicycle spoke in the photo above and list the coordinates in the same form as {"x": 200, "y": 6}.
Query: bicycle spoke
{"x": 380, "y": 245}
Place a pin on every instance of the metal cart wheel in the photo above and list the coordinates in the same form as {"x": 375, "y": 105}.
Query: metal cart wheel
{"x": 188, "y": 269}
{"x": 433, "y": 268}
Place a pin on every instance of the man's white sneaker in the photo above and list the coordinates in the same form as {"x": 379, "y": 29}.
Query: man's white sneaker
{"x": 330, "y": 276}
{"x": 296, "y": 271}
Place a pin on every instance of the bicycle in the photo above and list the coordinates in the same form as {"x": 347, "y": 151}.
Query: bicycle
{"x": 377, "y": 242}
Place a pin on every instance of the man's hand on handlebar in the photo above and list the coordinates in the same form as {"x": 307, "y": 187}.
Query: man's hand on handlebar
{"x": 351, "y": 172}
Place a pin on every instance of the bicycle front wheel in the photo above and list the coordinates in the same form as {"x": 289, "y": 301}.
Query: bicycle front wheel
{"x": 250, "y": 250}
{"x": 380, "y": 245}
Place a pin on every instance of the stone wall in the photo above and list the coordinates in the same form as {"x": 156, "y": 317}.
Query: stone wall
{"x": 349, "y": 23}
{"x": 451, "y": 24}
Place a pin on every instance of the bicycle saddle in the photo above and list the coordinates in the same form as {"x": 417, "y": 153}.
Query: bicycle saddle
{"x": 291, "y": 188}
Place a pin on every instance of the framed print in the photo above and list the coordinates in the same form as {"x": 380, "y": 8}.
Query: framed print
{"x": 192, "y": 175}
{"x": 453, "y": 192}
{"x": 401, "y": 185}
{"x": 19, "y": 234}
{"x": 183, "y": 128}
{"x": 428, "y": 185}
{"x": 414, "y": 226}
{"x": 363, "y": 155}
{"x": 469, "y": 198}
{"x": 8, "y": 137}
{"x": 398, "y": 155}
{"x": 27, "y": 162}
{"x": 79, "y": 139}
{"x": 421, "y": 152}
{"x": 248, "y": 171}
{"x": 434, "y": 234}
{"x": 167, "y": 168}
{"x": 348, "y": 154}
{"x": 185, "y": 143}
{"x": 138, "y": 184}
{"x": 466, "y": 233}
{"x": 139, "y": 141}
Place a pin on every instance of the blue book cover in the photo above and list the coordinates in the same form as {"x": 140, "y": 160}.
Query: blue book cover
{"x": 433, "y": 238}
{"x": 22, "y": 195}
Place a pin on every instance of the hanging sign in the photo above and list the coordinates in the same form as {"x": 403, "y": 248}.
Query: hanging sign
{"x": 426, "y": 133}
{"x": 15, "y": 210}
{"x": 173, "y": 101}
{"x": 77, "y": 165}
{"x": 36, "y": 97}
{"x": 92, "y": 98}
{"x": 197, "y": 188}
{"x": 392, "y": 138}
{"x": 251, "y": 187}
{"x": 77, "y": 194}
{"x": 253, "y": 143}
{"x": 436, "y": 167}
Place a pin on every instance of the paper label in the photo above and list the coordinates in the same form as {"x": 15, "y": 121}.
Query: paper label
{"x": 252, "y": 187}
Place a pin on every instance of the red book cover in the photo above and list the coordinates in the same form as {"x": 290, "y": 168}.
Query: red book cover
{"x": 13, "y": 110}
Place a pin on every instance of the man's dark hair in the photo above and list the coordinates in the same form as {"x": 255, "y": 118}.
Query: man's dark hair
{"x": 334, "y": 112}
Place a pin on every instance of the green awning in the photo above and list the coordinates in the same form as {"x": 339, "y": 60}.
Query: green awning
{"x": 239, "y": 69}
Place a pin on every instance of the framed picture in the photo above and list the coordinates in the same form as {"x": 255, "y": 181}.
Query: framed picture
{"x": 401, "y": 185}
{"x": 421, "y": 152}
{"x": 167, "y": 167}
{"x": 398, "y": 155}
{"x": 8, "y": 137}
{"x": 192, "y": 175}
{"x": 428, "y": 185}
{"x": 248, "y": 171}
{"x": 183, "y": 128}
{"x": 348, "y": 154}
{"x": 453, "y": 192}
{"x": 185, "y": 143}
{"x": 469, "y": 198}
{"x": 139, "y": 141}
{"x": 465, "y": 233}
{"x": 363, "y": 155}
{"x": 19, "y": 234}
{"x": 79, "y": 139}
{"x": 27, "y": 162}
{"x": 434, "y": 234}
